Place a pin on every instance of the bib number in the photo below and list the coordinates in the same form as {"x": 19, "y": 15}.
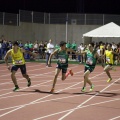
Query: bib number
{"x": 89, "y": 61}
{"x": 18, "y": 62}
{"x": 108, "y": 59}
{"x": 62, "y": 60}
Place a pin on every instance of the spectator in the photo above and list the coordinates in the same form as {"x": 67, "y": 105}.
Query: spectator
{"x": 50, "y": 49}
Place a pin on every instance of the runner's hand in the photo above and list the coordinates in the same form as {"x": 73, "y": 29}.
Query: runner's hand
{"x": 9, "y": 67}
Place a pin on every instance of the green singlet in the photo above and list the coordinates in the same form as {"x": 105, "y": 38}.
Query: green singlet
{"x": 62, "y": 58}
{"x": 91, "y": 61}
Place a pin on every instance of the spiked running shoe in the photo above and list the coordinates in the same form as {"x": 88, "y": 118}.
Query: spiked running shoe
{"x": 29, "y": 82}
{"x": 109, "y": 80}
{"x": 71, "y": 72}
{"x": 92, "y": 87}
{"x": 83, "y": 89}
{"x": 52, "y": 90}
{"x": 16, "y": 89}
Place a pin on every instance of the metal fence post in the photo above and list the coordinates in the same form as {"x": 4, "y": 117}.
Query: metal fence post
{"x": 19, "y": 18}
{"x": 3, "y": 18}
{"x": 44, "y": 18}
{"x": 32, "y": 16}
{"x": 85, "y": 19}
{"x": 103, "y": 19}
{"x": 66, "y": 26}
{"x": 49, "y": 18}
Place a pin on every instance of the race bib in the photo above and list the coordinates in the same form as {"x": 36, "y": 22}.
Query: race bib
{"x": 89, "y": 61}
{"x": 62, "y": 60}
{"x": 108, "y": 59}
{"x": 18, "y": 62}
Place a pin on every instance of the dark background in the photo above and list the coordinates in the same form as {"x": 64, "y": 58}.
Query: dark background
{"x": 62, "y": 6}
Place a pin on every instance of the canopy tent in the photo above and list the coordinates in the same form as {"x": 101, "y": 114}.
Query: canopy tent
{"x": 108, "y": 30}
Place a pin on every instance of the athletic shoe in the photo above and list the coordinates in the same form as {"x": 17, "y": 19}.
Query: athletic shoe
{"x": 29, "y": 82}
{"x": 71, "y": 72}
{"x": 92, "y": 87}
{"x": 16, "y": 88}
{"x": 52, "y": 90}
{"x": 83, "y": 89}
{"x": 109, "y": 80}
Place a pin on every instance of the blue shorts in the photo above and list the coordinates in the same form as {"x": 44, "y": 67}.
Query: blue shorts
{"x": 22, "y": 68}
{"x": 64, "y": 69}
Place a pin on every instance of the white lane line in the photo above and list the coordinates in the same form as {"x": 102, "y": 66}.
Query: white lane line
{"x": 115, "y": 118}
{"x": 27, "y": 87}
{"x": 57, "y": 113}
{"x": 79, "y": 106}
{"x": 38, "y": 102}
{"x": 26, "y": 66}
{"x": 20, "y": 72}
{"x": 55, "y": 99}
{"x": 78, "y": 83}
{"x": 60, "y": 90}
{"x": 30, "y": 102}
{"x": 32, "y": 77}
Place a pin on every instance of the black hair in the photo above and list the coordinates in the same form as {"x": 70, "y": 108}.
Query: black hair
{"x": 62, "y": 43}
{"x": 15, "y": 43}
{"x": 92, "y": 44}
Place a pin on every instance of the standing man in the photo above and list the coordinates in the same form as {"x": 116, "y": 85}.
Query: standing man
{"x": 74, "y": 47}
{"x": 68, "y": 45}
{"x": 50, "y": 49}
{"x": 18, "y": 62}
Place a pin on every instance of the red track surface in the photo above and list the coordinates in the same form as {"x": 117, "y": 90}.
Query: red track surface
{"x": 68, "y": 103}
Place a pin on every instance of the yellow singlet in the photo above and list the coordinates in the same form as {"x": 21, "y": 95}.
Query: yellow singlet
{"x": 17, "y": 58}
{"x": 101, "y": 47}
{"x": 109, "y": 57}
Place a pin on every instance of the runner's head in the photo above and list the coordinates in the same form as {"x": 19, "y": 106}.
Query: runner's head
{"x": 91, "y": 46}
{"x": 62, "y": 44}
{"x": 109, "y": 46}
{"x": 15, "y": 45}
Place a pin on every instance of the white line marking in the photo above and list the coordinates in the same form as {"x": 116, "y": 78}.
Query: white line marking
{"x": 73, "y": 108}
{"x": 115, "y": 118}
{"x": 30, "y": 102}
{"x": 79, "y": 106}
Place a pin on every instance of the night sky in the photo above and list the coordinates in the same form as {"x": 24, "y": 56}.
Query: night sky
{"x": 62, "y": 6}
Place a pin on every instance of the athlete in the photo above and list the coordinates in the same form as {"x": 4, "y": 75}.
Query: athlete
{"x": 109, "y": 61}
{"x": 18, "y": 61}
{"x": 62, "y": 63}
{"x": 91, "y": 59}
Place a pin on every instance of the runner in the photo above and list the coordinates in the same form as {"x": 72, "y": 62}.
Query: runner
{"x": 62, "y": 63}
{"x": 91, "y": 59}
{"x": 109, "y": 61}
{"x": 18, "y": 62}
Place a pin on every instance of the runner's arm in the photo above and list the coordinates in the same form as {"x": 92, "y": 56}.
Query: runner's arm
{"x": 76, "y": 52}
{"x": 6, "y": 58}
{"x": 51, "y": 56}
{"x": 29, "y": 52}
{"x": 101, "y": 59}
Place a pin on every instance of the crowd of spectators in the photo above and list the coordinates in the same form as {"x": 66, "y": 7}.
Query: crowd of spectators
{"x": 101, "y": 47}
{"x": 44, "y": 49}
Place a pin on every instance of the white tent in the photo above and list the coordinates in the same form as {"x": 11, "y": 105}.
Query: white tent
{"x": 108, "y": 30}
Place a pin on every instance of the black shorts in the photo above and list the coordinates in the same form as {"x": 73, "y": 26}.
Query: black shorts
{"x": 90, "y": 68}
{"x": 63, "y": 68}
{"x": 22, "y": 68}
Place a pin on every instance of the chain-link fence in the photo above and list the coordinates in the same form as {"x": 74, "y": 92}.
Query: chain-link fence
{"x": 57, "y": 18}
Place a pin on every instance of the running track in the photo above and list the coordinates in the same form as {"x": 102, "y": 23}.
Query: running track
{"x": 68, "y": 102}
